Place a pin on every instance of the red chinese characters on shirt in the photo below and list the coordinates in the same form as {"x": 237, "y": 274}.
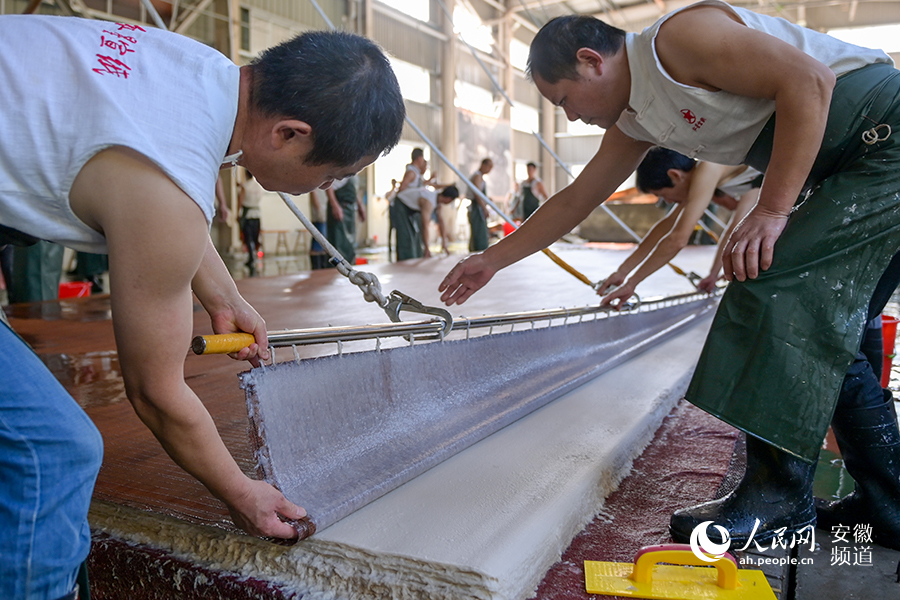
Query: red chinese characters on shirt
{"x": 120, "y": 45}
{"x": 692, "y": 119}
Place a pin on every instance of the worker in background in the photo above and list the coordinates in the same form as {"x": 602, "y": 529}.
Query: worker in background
{"x": 803, "y": 265}
{"x": 691, "y": 186}
{"x": 412, "y": 211}
{"x": 478, "y": 210}
{"x": 250, "y": 195}
{"x": 529, "y": 195}
{"x": 414, "y": 174}
{"x": 343, "y": 209}
{"x": 133, "y": 175}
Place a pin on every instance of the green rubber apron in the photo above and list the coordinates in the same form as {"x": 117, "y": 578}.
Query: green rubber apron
{"x": 780, "y": 344}
{"x": 342, "y": 234}
{"x": 478, "y": 238}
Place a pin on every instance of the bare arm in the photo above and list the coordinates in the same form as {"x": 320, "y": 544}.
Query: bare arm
{"x": 643, "y": 250}
{"x": 222, "y": 211}
{"x": 617, "y": 157}
{"x": 539, "y": 189}
{"x": 360, "y": 208}
{"x": 703, "y": 185}
{"x": 732, "y": 57}
{"x": 158, "y": 244}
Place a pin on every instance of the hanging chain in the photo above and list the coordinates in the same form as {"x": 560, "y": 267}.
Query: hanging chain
{"x": 367, "y": 282}
{"x": 393, "y": 305}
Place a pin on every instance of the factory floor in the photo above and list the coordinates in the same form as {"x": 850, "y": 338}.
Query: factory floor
{"x": 688, "y": 461}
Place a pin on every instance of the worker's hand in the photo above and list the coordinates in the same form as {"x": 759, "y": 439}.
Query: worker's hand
{"x": 242, "y": 317}
{"x": 222, "y": 214}
{"x": 708, "y": 283}
{"x": 619, "y": 296}
{"x": 466, "y": 278}
{"x": 612, "y": 281}
{"x": 750, "y": 249}
{"x": 338, "y": 211}
{"x": 259, "y": 509}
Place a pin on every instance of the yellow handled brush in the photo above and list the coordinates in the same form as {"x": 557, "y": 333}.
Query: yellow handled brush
{"x": 679, "y": 579}
{"x": 223, "y": 343}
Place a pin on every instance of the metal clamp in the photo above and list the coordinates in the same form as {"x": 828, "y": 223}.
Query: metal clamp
{"x": 399, "y": 301}
{"x": 630, "y": 306}
{"x": 596, "y": 286}
{"x": 695, "y": 279}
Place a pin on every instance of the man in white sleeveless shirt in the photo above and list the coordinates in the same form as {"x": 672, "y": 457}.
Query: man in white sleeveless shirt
{"x": 808, "y": 265}
{"x": 691, "y": 186}
{"x": 115, "y": 147}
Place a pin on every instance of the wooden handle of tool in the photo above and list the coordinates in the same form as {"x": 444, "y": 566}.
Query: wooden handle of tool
{"x": 578, "y": 275}
{"x": 224, "y": 343}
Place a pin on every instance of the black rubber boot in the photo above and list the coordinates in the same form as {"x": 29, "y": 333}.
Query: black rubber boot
{"x": 870, "y": 446}
{"x": 776, "y": 489}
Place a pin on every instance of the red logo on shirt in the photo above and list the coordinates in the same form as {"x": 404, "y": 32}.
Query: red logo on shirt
{"x": 692, "y": 119}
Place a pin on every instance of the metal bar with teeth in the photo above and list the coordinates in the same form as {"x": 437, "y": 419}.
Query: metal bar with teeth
{"x": 443, "y": 324}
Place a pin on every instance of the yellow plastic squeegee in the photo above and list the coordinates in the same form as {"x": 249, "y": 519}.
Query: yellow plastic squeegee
{"x": 681, "y": 579}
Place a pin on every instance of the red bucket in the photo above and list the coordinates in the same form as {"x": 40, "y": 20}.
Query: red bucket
{"x": 74, "y": 289}
{"x": 889, "y": 335}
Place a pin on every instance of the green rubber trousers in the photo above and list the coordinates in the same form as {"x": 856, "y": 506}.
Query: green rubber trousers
{"x": 780, "y": 344}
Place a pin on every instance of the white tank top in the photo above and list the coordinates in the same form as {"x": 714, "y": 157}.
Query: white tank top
{"x": 410, "y": 197}
{"x": 740, "y": 184}
{"x": 717, "y": 126}
{"x": 419, "y": 181}
{"x": 79, "y": 86}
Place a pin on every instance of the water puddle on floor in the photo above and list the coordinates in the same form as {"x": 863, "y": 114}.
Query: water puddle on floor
{"x": 832, "y": 481}
{"x": 94, "y": 379}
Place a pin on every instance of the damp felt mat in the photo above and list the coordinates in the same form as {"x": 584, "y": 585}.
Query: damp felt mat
{"x": 335, "y": 433}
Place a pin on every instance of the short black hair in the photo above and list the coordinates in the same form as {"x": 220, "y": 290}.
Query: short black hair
{"x": 531, "y": 164}
{"x": 416, "y": 153}
{"x": 652, "y": 173}
{"x": 552, "y": 53}
{"x": 451, "y": 191}
{"x": 341, "y": 84}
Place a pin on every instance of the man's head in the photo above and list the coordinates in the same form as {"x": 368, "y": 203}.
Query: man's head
{"x": 665, "y": 173}
{"x": 531, "y": 169}
{"x": 417, "y": 159}
{"x": 553, "y": 50}
{"x": 448, "y": 194}
{"x": 338, "y": 83}
{"x": 486, "y": 166}
{"x": 579, "y": 64}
